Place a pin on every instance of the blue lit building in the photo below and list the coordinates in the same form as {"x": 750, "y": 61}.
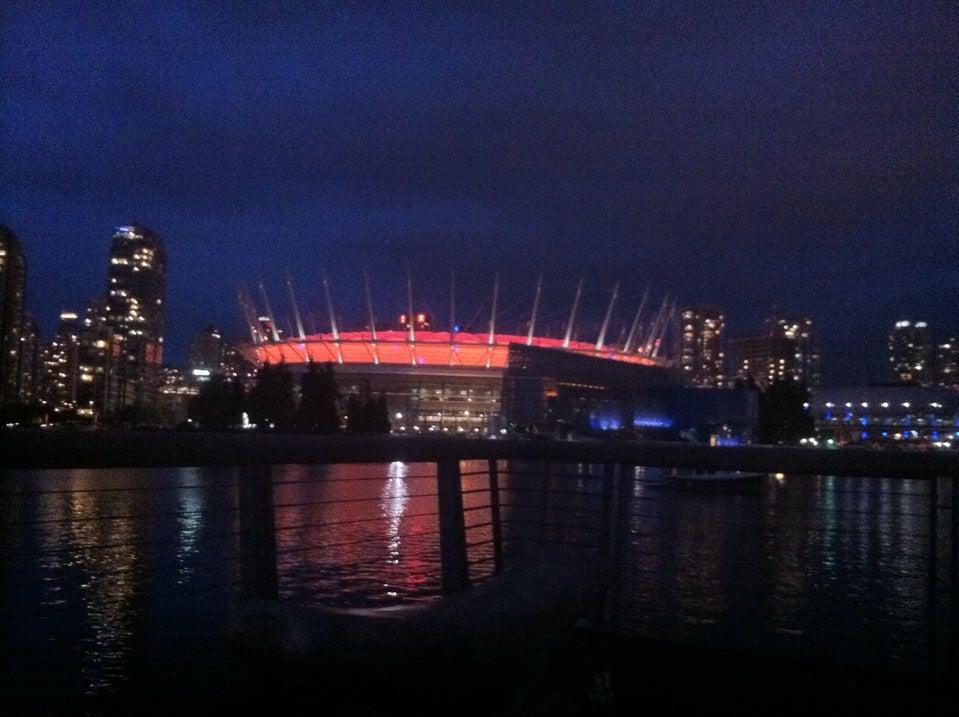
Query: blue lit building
{"x": 557, "y": 392}
{"x": 897, "y": 413}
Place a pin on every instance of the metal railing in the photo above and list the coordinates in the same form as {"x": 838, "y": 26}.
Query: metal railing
{"x": 871, "y": 533}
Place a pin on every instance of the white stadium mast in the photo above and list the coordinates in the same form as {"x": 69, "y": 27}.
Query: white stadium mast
{"x": 410, "y": 316}
{"x": 635, "y": 326}
{"x": 572, "y": 314}
{"x": 532, "y": 318}
{"x": 333, "y": 327}
{"x": 296, "y": 309}
{"x": 249, "y": 314}
{"x": 452, "y": 316}
{"x": 269, "y": 311}
{"x": 492, "y": 319}
{"x": 369, "y": 308}
{"x": 609, "y": 315}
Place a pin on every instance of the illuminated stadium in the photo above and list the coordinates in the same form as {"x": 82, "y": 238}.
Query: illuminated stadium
{"x": 480, "y": 382}
{"x": 423, "y": 348}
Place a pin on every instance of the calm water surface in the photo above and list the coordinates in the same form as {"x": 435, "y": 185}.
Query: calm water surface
{"x": 120, "y": 580}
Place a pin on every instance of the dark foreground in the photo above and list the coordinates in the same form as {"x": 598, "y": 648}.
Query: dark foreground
{"x": 606, "y": 675}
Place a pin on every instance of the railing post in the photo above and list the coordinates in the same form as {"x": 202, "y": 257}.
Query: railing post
{"x": 606, "y": 514}
{"x": 494, "y": 509}
{"x": 933, "y": 577}
{"x": 258, "y": 571}
{"x": 621, "y": 535}
{"x": 453, "y": 558}
{"x": 764, "y": 581}
{"x": 617, "y": 571}
{"x": 954, "y": 582}
{"x": 544, "y": 502}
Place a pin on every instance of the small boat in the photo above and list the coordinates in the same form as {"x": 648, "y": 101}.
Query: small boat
{"x": 705, "y": 477}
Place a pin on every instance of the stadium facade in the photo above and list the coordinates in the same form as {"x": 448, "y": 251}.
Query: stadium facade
{"x": 491, "y": 382}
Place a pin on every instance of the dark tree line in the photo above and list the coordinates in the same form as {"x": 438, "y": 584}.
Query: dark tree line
{"x": 319, "y": 396}
{"x": 272, "y": 404}
{"x": 219, "y": 404}
{"x": 366, "y": 413}
{"x": 783, "y": 417}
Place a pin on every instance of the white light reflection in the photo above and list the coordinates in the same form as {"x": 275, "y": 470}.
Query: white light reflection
{"x": 189, "y": 514}
{"x": 393, "y": 502}
{"x": 110, "y": 582}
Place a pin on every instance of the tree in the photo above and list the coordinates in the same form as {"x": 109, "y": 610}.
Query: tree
{"x": 219, "y": 404}
{"x": 782, "y": 416}
{"x": 318, "y": 396}
{"x": 140, "y": 414}
{"x": 380, "y": 415}
{"x": 355, "y": 414}
{"x": 271, "y": 403}
{"x": 367, "y": 413}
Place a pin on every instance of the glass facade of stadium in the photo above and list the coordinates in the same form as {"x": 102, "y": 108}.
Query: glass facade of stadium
{"x": 431, "y": 398}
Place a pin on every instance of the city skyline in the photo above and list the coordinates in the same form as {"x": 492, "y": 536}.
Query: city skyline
{"x": 724, "y": 167}
{"x": 316, "y": 317}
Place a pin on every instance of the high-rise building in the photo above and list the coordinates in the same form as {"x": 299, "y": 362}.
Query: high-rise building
{"x": 237, "y": 368}
{"x": 61, "y": 372}
{"x": 702, "y": 358}
{"x": 175, "y": 393}
{"x": 97, "y": 351}
{"x": 13, "y": 277}
{"x": 909, "y": 351}
{"x": 805, "y": 359}
{"x": 787, "y": 350}
{"x": 135, "y": 312}
{"x": 764, "y": 359}
{"x": 29, "y": 362}
{"x": 947, "y": 364}
{"x": 206, "y": 354}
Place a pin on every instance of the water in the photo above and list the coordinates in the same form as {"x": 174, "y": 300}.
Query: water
{"x": 120, "y": 581}
{"x": 816, "y": 567}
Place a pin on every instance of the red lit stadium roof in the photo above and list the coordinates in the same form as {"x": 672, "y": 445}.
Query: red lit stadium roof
{"x": 430, "y": 348}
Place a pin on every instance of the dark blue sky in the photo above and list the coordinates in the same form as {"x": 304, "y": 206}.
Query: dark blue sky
{"x": 802, "y": 156}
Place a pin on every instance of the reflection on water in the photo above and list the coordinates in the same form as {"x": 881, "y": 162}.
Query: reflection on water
{"x": 395, "y": 497}
{"x": 362, "y": 535}
{"x": 826, "y": 567}
{"x": 114, "y": 579}
{"x": 101, "y": 557}
{"x": 189, "y": 510}
{"x": 100, "y": 570}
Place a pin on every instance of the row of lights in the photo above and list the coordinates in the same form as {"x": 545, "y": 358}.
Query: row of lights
{"x": 884, "y": 404}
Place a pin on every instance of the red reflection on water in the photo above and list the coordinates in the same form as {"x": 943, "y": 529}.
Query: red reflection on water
{"x": 351, "y": 527}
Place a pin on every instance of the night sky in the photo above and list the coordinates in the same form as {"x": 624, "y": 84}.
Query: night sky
{"x": 802, "y": 156}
